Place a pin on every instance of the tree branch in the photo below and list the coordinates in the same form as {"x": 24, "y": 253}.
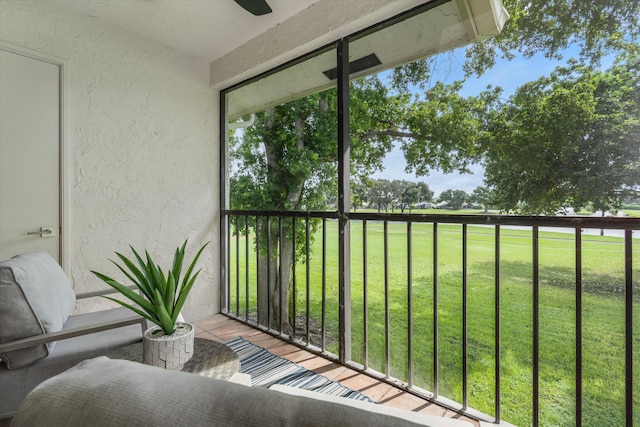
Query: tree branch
{"x": 386, "y": 132}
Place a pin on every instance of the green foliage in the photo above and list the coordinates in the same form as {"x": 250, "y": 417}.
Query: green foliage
{"x": 286, "y": 161}
{"x": 376, "y": 118}
{"x": 548, "y": 27}
{"x": 454, "y": 198}
{"x": 482, "y": 196}
{"x": 567, "y": 139}
{"x": 570, "y": 139}
{"x": 599, "y": 28}
{"x": 401, "y": 194}
{"x": 445, "y": 129}
{"x": 161, "y": 295}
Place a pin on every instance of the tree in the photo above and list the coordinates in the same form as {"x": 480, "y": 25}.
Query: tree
{"x": 598, "y": 28}
{"x": 381, "y": 194}
{"x": 288, "y": 163}
{"x": 424, "y": 192}
{"x": 570, "y": 139}
{"x": 482, "y": 196}
{"x": 409, "y": 195}
{"x": 549, "y": 27}
{"x": 454, "y": 198}
{"x": 449, "y": 132}
{"x": 359, "y": 189}
{"x": 399, "y": 194}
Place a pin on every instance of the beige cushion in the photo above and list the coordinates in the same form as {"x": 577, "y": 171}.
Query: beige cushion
{"x": 102, "y": 392}
{"x": 35, "y": 298}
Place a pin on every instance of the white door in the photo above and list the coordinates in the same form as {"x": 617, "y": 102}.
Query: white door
{"x": 29, "y": 155}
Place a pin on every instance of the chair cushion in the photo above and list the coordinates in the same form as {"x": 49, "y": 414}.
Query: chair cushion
{"x": 15, "y": 384}
{"x": 35, "y": 298}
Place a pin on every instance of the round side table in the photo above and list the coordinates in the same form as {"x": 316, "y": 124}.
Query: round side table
{"x": 210, "y": 358}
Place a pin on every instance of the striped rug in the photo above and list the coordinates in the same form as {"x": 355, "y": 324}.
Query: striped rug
{"x": 267, "y": 369}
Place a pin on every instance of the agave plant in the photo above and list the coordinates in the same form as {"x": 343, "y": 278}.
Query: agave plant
{"x": 161, "y": 295}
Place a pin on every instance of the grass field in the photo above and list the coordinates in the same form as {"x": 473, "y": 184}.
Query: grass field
{"x": 603, "y": 315}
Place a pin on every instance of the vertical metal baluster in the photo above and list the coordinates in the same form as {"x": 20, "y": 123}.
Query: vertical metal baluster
{"x": 435, "y": 309}
{"x": 497, "y": 324}
{"x": 628, "y": 363}
{"x": 246, "y": 268}
{"x": 387, "y": 346}
{"x": 409, "y": 308}
{"x": 237, "y": 267}
{"x": 536, "y": 327}
{"x": 465, "y": 297}
{"x": 365, "y": 301}
{"x": 280, "y": 273}
{"x": 228, "y": 284}
{"x": 308, "y": 271}
{"x": 293, "y": 276}
{"x": 268, "y": 272}
{"x": 258, "y": 302}
{"x": 324, "y": 281}
{"x": 578, "y": 255}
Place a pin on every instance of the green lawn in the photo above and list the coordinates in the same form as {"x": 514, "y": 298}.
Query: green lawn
{"x": 603, "y": 315}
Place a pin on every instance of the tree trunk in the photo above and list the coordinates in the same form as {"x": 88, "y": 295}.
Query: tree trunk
{"x": 274, "y": 277}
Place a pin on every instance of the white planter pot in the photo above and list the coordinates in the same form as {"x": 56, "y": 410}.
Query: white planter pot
{"x": 168, "y": 351}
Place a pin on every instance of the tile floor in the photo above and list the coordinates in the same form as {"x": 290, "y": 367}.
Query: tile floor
{"x": 221, "y": 328}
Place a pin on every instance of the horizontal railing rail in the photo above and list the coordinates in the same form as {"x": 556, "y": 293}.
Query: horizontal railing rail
{"x": 260, "y": 243}
{"x": 606, "y": 222}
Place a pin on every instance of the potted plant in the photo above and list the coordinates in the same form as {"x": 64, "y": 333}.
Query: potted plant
{"x": 169, "y": 344}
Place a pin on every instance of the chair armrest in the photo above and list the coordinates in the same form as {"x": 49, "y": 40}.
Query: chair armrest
{"x": 70, "y": 333}
{"x": 102, "y": 292}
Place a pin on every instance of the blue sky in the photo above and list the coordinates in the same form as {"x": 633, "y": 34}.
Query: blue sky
{"x": 506, "y": 74}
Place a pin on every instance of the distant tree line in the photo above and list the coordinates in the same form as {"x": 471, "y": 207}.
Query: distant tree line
{"x": 401, "y": 195}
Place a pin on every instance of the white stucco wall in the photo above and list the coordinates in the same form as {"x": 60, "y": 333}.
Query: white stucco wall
{"x": 142, "y": 139}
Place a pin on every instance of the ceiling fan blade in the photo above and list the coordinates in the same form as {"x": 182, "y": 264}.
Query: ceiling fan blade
{"x": 256, "y": 7}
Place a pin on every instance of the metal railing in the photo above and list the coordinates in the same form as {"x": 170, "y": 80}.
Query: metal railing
{"x": 253, "y": 238}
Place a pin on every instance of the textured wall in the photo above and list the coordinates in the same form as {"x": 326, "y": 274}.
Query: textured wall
{"x": 143, "y": 150}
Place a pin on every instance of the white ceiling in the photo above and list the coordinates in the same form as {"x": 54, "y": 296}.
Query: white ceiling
{"x": 205, "y": 29}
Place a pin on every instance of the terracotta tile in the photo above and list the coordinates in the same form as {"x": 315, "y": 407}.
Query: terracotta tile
{"x": 405, "y": 400}
{"x": 451, "y": 414}
{"x": 357, "y": 381}
{"x": 331, "y": 370}
{"x": 229, "y": 330}
{"x": 317, "y": 363}
{"x": 432, "y": 409}
{"x": 204, "y": 334}
{"x": 213, "y": 322}
{"x": 265, "y": 341}
{"x": 370, "y": 387}
{"x": 283, "y": 350}
{"x": 299, "y": 356}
